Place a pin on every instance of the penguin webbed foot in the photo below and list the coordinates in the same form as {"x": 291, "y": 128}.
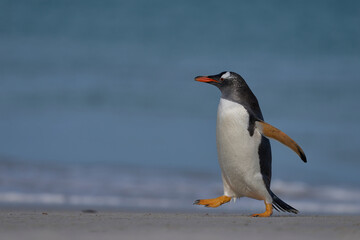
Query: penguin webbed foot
{"x": 267, "y": 213}
{"x": 213, "y": 202}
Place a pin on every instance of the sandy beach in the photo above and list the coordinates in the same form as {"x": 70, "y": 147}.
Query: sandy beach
{"x": 79, "y": 225}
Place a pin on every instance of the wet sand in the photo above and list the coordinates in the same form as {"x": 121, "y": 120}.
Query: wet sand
{"x": 125, "y": 225}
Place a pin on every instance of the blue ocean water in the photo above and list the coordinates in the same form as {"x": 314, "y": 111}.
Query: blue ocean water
{"x": 99, "y": 107}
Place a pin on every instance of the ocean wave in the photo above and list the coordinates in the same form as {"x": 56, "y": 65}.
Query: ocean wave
{"x": 114, "y": 186}
{"x": 308, "y": 199}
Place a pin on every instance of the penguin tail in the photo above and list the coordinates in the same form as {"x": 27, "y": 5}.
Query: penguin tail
{"x": 280, "y": 205}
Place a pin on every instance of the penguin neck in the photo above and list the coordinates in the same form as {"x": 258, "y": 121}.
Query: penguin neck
{"x": 244, "y": 96}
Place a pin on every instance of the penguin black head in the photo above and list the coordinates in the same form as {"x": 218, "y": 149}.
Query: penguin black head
{"x": 234, "y": 88}
{"x": 231, "y": 84}
{"x": 223, "y": 80}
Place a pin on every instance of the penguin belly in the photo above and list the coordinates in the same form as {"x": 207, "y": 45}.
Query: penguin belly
{"x": 238, "y": 153}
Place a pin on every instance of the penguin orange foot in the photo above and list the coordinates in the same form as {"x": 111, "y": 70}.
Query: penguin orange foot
{"x": 267, "y": 213}
{"x": 213, "y": 202}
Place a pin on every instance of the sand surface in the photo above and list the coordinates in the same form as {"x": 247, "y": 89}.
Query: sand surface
{"x": 122, "y": 225}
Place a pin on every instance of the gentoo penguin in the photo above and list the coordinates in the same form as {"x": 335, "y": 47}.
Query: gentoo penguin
{"x": 244, "y": 152}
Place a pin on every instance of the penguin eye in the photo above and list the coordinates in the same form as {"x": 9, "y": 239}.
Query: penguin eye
{"x": 221, "y": 79}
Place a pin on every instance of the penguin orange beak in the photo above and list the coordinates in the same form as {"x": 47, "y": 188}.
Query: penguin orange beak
{"x": 205, "y": 79}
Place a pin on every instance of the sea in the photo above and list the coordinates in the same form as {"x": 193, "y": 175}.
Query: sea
{"x": 99, "y": 108}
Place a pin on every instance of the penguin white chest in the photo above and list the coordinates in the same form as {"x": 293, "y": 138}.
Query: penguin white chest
{"x": 238, "y": 151}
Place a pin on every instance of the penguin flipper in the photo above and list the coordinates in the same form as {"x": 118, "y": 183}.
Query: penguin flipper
{"x": 274, "y": 133}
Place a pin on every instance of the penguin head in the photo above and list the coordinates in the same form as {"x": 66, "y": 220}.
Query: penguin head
{"x": 233, "y": 87}
{"x": 224, "y": 81}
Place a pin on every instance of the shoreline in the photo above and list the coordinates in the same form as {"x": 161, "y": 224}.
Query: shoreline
{"x": 56, "y": 224}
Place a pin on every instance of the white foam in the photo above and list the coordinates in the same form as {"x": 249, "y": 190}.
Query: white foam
{"x": 32, "y": 198}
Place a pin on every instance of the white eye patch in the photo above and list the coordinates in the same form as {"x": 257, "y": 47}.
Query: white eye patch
{"x": 226, "y": 75}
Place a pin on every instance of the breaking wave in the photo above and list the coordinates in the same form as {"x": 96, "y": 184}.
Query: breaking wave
{"x": 165, "y": 189}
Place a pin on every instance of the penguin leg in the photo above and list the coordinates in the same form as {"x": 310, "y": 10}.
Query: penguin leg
{"x": 213, "y": 202}
{"x": 267, "y": 213}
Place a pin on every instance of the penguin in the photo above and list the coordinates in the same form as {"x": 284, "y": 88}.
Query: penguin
{"x": 244, "y": 151}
